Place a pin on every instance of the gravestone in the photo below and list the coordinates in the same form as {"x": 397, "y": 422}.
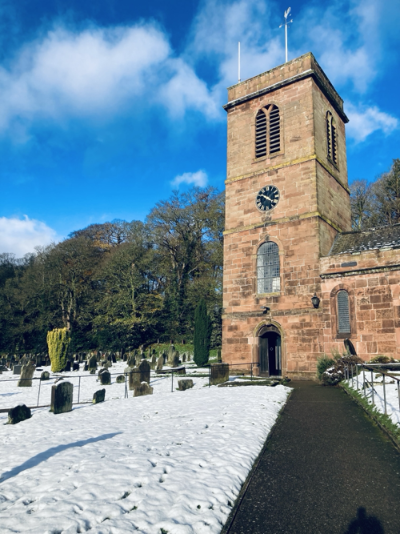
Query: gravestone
{"x": 171, "y": 354}
{"x": 61, "y": 397}
{"x": 160, "y": 363}
{"x": 131, "y": 361}
{"x": 113, "y": 358}
{"x": 45, "y": 375}
{"x": 75, "y": 366}
{"x": 175, "y": 362}
{"x": 184, "y": 384}
{"x": 134, "y": 378}
{"x": 67, "y": 367}
{"x": 92, "y": 363}
{"x": 85, "y": 365}
{"x": 120, "y": 379}
{"x": 183, "y": 358}
{"x": 144, "y": 369}
{"x": 105, "y": 378}
{"x": 17, "y": 369}
{"x": 219, "y": 357}
{"x": 153, "y": 361}
{"x": 26, "y": 375}
{"x": 99, "y": 396}
{"x": 143, "y": 389}
{"x": 18, "y": 414}
{"x": 219, "y": 373}
{"x": 180, "y": 370}
{"x": 124, "y": 357}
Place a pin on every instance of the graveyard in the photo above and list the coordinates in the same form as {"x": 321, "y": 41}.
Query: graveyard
{"x": 164, "y": 449}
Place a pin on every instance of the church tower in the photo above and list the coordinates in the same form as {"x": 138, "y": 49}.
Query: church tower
{"x": 287, "y": 197}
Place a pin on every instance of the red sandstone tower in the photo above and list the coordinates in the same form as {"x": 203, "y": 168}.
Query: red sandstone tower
{"x": 286, "y": 199}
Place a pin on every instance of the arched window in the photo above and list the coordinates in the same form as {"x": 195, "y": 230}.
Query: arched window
{"x": 343, "y": 312}
{"x": 331, "y": 138}
{"x": 268, "y": 270}
{"x": 268, "y": 131}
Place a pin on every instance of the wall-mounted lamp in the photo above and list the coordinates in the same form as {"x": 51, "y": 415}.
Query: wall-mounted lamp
{"x": 265, "y": 309}
{"x": 315, "y": 301}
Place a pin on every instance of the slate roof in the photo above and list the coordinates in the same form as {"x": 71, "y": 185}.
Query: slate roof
{"x": 375, "y": 238}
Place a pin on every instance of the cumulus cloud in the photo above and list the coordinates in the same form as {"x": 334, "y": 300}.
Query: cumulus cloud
{"x": 20, "y": 236}
{"x": 199, "y": 179}
{"x": 97, "y": 72}
{"x": 367, "y": 120}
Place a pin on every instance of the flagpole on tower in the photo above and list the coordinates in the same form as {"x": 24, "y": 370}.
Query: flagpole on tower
{"x": 239, "y": 62}
{"x": 286, "y": 14}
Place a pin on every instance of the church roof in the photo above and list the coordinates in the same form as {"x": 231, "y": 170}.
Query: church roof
{"x": 374, "y": 238}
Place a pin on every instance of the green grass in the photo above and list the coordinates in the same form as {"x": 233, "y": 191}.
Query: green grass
{"x": 383, "y": 419}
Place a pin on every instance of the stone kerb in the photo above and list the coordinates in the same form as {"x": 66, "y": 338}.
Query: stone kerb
{"x": 219, "y": 373}
{"x": 184, "y": 384}
{"x": 61, "y": 397}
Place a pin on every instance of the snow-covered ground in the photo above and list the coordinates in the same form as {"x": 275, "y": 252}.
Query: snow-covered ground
{"x": 170, "y": 462}
{"x": 392, "y": 395}
{"x": 11, "y": 395}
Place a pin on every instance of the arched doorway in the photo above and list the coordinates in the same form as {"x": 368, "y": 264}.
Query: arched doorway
{"x": 270, "y": 351}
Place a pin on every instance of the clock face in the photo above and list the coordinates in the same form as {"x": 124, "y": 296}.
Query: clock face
{"x": 267, "y": 198}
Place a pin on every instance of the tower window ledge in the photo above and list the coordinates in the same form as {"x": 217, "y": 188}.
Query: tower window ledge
{"x": 268, "y": 157}
{"x": 266, "y": 295}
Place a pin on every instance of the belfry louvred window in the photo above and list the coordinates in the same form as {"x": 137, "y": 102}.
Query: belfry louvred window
{"x": 268, "y": 131}
{"x": 343, "y": 312}
{"x": 331, "y": 138}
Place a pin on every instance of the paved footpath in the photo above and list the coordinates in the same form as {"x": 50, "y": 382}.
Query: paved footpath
{"x": 326, "y": 469}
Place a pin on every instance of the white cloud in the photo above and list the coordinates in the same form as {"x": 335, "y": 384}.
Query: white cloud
{"x": 20, "y": 236}
{"x": 96, "y": 73}
{"x": 365, "y": 121}
{"x": 199, "y": 179}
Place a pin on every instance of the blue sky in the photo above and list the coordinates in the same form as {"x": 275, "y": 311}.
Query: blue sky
{"x": 107, "y": 106}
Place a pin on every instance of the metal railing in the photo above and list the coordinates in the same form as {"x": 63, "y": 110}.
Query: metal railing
{"x": 353, "y": 369}
{"x": 244, "y": 369}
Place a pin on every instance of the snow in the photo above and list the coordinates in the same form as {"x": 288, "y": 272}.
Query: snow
{"x": 172, "y": 461}
{"x": 392, "y": 394}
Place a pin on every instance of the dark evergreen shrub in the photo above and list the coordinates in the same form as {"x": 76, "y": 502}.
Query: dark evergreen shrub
{"x": 202, "y": 334}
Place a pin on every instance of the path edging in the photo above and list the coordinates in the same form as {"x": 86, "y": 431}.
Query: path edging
{"x": 242, "y": 492}
{"x": 370, "y": 414}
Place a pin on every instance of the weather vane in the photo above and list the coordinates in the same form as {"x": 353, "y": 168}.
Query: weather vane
{"x": 286, "y": 14}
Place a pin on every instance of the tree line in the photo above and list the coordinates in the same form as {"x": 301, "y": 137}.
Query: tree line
{"x": 121, "y": 284}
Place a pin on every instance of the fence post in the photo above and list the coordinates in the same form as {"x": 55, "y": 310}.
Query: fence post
{"x": 40, "y": 381}
{"x": 79, "y": 389}
{"x": 372, "y": 384}
{"x": 365, "y": 393}
{"x": 384, "y": 391}
{"x": 398, "y": 392}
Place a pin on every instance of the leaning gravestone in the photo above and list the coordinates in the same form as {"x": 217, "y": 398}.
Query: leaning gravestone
{"x": 61, "y": 397}
{"x": 17, "y": 369}
{"x": 184, "y": 384}
{"x": 18, "y": 414}
{"x": 160, "y": 363}
{"x": 144, "y": 369}
{"x": 219, "y": 373}
{"x": 26, "y": 375}
{"x": 134, "y": 378}
{"x": 105, "y": 378}
{"x": 143, "y": 389}
{"x": 99, "y": 396}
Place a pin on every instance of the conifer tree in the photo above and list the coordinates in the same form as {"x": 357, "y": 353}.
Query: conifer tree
{"x": 202, "y": 334}
{"x": 58, "y": 342}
